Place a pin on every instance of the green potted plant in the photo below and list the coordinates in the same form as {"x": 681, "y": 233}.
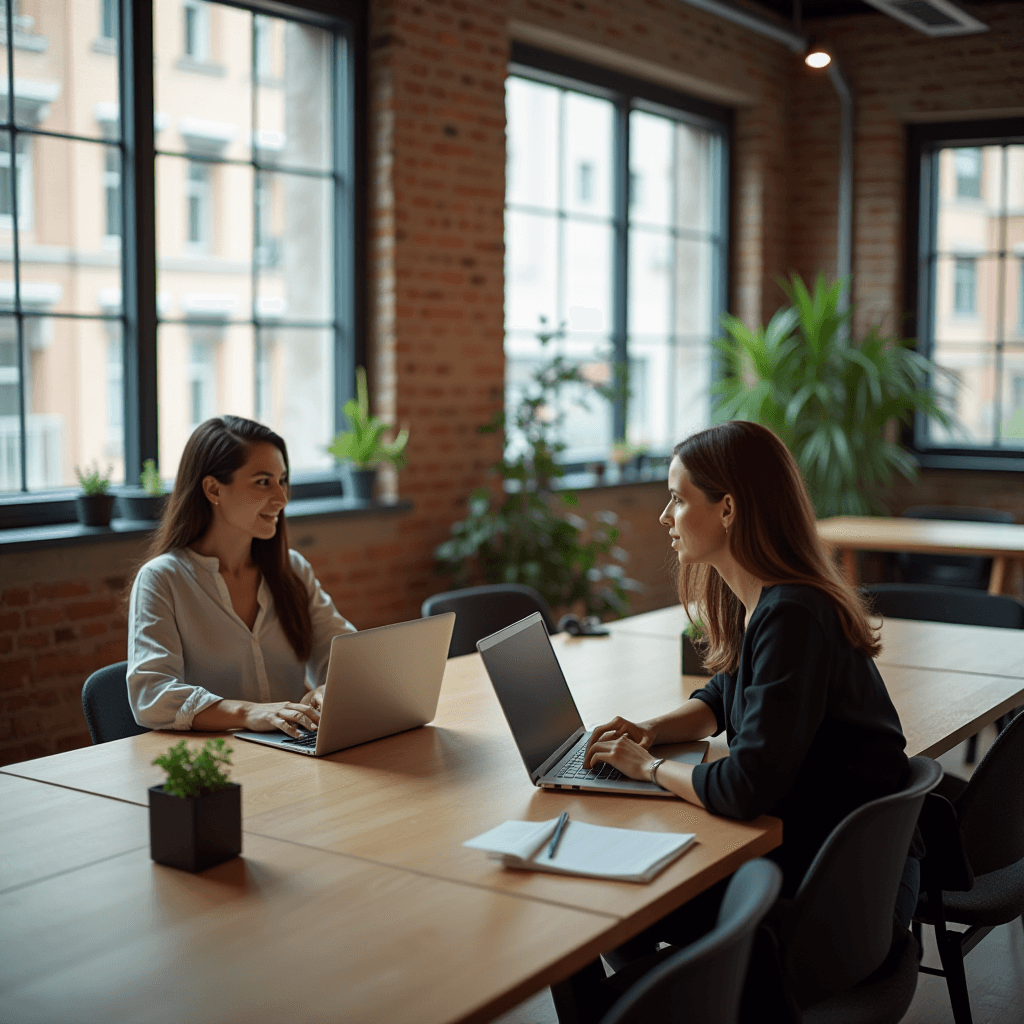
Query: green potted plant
{"x": 363, "y": 448}
{"x": 146, "y": 502}
{"x": 693, "y": 649}
{"x": 832, "y": 399}
{"x": 532, "y": 533}
{"x": 94, "y": 506}
{"x": 195, "y": 817}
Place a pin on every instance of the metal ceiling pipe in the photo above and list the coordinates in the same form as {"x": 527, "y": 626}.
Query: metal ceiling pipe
{"x": 844, "y": 227}
{"x": 738, "y": 16}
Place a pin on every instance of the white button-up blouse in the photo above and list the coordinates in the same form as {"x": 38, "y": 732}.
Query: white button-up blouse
{"x": 187, "y": 648}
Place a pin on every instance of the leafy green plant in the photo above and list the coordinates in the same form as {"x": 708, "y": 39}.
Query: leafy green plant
{"x": 531, "y": 534}
{"x": 364, "y": 444}
{"x": 694, "y": 630}
{"x": 193, "y": 774}
{"x": 831, "y": 399}
{"x": 92, "y": 480}
{"x": 150, "y": 479}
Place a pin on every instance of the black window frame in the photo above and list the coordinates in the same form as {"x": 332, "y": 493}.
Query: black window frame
{"x": 628, "y": 93}
{"x": 347, "y": 20}
{"x": 923, "y": 142}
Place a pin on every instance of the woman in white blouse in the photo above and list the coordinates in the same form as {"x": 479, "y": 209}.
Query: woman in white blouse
{"x": 228, "y": 628}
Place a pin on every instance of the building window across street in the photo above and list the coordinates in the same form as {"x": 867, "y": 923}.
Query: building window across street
{"x": 967, "y": 196}
{"x": 250, "y": 172}
{"x": 624, "y": 258}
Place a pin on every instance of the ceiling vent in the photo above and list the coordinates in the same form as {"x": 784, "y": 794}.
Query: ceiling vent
{"x": 932, "y": 17}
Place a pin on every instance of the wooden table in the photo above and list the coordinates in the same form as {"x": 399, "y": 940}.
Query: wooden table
{"x": 1002, "y": 542}
{"x": 354, "y": 899}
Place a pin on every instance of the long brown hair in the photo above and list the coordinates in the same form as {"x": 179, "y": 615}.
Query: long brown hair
{"x": 218, "y": 448}
{"x": 773, "y": 536}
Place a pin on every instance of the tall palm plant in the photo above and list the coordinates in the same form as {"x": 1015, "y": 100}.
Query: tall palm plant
{"x": 831, "y": 399}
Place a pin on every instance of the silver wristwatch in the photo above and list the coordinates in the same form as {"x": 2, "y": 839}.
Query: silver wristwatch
{"x": 652, "y": 771}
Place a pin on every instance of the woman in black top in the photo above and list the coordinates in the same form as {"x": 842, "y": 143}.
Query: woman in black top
{"x": 812, "y": 731}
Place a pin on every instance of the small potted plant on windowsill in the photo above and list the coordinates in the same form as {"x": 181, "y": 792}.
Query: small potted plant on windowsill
{"x": 195, "y": 817}
{"x": 693, "y": 650}
{"x": 94, "y": 506}
{"x": 363, "y": 448}
{"x": 144, "y": 503}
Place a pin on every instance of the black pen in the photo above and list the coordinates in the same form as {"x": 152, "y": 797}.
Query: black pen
{"x": 559, "y": 829}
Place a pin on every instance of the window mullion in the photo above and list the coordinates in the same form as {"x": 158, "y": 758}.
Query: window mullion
{"x": 138, "y": 244}
{"x": 620, "y": 261}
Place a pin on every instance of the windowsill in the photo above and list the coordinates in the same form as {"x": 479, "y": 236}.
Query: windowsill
{"x": 102, "y": 44}
{"x": 62, "y": 535}
{"x": 200, "y": 67}
{"x": 983, "y": 462}
{"x": 612, "y": 477}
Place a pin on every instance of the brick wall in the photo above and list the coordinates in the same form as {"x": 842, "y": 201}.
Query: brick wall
{"x": 435, "y": 252}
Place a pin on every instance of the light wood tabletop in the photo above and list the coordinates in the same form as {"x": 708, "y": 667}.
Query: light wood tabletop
{"x": 355, "y": 860}
{"x": 1002, "y": 542}
{"x": 283, "y": 932}
{"x": 411, "y": 800}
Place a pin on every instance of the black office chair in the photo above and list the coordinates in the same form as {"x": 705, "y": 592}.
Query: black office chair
{"x": 973, "y": 870}
{"x": 948, "y": 604}
{"x": 967, "y": 571}
{"x": 480, "y": 611}
{"x": 105, "y": 703}
{"x": 841, "y": 957}
{"x": 945, "y": 604}
{"x": 704, "y": 981}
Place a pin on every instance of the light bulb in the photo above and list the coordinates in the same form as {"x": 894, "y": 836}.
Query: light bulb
{"x": 817, "y": 59}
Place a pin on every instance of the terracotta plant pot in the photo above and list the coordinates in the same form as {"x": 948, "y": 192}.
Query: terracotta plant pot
{"x": 691, "y": 660}
{"x": 194, "y": 833}
{"x": 94, "y": 509}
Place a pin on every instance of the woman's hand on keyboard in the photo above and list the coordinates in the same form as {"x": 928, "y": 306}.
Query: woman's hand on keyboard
{"x": 642, "y": 735}
{"x": 623, "y": 753}
{"x": 290, "y": 718}
{"x": 314, "y": 698}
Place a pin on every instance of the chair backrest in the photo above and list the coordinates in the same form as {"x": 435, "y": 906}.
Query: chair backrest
{"x": 839, "y": 927}
{"x": 991, "y": 807}
{"x": 704, "y": 981}
{"x": 945, "y": 604}
{"x": 105, "y": 703}
{"x": 480, "y": 611}
{"x": 950, "y": 570}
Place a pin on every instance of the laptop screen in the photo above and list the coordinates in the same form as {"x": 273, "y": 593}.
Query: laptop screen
{"x": 531, "y": 689}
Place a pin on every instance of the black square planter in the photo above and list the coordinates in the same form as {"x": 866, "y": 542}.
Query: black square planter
{"x": 195, "y": 832}
{"x": 691, "y": 659}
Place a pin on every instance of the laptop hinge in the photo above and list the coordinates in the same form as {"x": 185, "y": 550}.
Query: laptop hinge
{"x": 557, "y": 756}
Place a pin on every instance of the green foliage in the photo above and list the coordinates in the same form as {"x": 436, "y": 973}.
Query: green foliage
{"x": 195, "y": 774}
{"x": 694, "y": 630}
{"x": 364, "y": 444}
{"x": 533, "y": 536}
{"x": 150, "y": 479}
{"x": 832, "y": 400}
{"x": 92, "y": 481}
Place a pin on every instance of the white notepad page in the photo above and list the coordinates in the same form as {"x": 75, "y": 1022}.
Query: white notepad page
{"x": 595, "y": 850}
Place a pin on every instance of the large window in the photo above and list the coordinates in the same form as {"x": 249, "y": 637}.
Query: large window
{"x": 966, "y": 215}
{"x": 211, "y": 274}
{"x": 616, "y": 238}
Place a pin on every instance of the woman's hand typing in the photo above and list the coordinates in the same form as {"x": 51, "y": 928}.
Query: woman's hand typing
{"x": 642, "y": 735}
{"x": 623, "y": 753}
{"x": 314, "y": 698}
{"x": 289, "y": 716}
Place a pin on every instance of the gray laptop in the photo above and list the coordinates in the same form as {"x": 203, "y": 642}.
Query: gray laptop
{"x": 379, "y": 682}
{"x": 544, "y": 719}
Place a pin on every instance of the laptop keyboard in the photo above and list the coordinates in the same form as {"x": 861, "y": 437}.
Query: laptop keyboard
{"x": 573, "y": 768}
{"x": 306, "y": 740}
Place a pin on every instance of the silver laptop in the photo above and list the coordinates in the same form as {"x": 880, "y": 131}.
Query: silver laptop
{"x": 544, "y": 719}
{"x": 379, "y": 682}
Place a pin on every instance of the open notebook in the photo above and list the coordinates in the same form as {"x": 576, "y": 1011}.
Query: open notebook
{"x": 622, "y": 854}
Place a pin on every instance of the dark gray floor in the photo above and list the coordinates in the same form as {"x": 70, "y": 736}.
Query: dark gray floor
{"x": 995, "y": 969}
